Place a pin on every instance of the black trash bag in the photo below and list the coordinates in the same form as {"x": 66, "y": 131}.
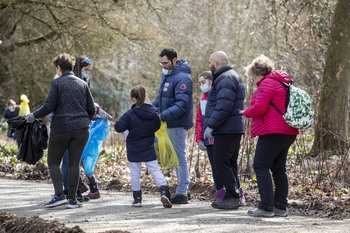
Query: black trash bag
{"x": 31, "y": 139}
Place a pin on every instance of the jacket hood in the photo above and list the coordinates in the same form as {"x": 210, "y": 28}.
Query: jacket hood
{"x": 278, "y": 75}
{"x": 145, "y": 112}
{"x": 181, "y": 67}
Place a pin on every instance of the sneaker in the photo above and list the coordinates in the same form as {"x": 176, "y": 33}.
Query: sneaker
{"x": 260, "y": 213}
{"x": 72, "y": 204}
{"x": 241, "y": 195}
{"x": 280, "y": 213}
{"x": 57, "y": 200}
{"x": 227, "y": 203}
{"x": 179, "y": 199}
{"x": 96, "y": 195}
{"x": 165, "y": 196}
{"x": 82, "y": 198}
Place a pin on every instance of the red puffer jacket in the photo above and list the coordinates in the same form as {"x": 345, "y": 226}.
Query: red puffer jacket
{"x": 266, "y": 119}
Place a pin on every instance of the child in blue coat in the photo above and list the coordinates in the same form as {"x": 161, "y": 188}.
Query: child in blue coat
{"x": 142, "y": 122}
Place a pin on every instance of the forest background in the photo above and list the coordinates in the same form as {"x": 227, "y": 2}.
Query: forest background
{"x": 308, "y": 39}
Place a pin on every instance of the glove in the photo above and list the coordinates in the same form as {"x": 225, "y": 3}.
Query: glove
{"x": 201, "y": 145}
{"x": 207, "y": 133}
{"x": 126, "y": 133}
{"x": 30, "y": 118}
{"x": 155, "y": 139}
{"x": 105, "y": 116}
{"x": 3, "y": 119}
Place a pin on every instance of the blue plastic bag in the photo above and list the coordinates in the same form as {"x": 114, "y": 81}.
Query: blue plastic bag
{"x": 98, "y": 133}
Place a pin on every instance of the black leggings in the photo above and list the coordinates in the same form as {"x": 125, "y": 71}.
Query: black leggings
{"x": 75, "y": 142}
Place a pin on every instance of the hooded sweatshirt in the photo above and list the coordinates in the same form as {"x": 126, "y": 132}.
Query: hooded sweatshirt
{"x": 266, "y": 119}
{"x": 142, "y": 123}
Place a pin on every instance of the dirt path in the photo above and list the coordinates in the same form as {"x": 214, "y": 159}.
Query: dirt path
{"x": 113, "y": 212}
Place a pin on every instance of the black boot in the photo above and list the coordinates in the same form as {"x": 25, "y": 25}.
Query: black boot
{"x": 165, "y": 196}
{"x": 137, "y": 199}
{"x": 81, "y": 198}
{"x": 94, "y": 191}
{"x": 81, "y": 185}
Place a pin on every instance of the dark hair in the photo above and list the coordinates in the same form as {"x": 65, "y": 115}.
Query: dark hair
{"x": 261, "y": 65}
{"x": 80, "y": 63}
{"x": 169, "y": 52}
{"x": 11, "y": 102}
{"x": 139, "y": 93}
{"x": 65, "y": 61}
{"x": 205, "y": 75}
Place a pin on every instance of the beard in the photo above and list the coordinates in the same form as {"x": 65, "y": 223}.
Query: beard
{"x": 213, "y": 69}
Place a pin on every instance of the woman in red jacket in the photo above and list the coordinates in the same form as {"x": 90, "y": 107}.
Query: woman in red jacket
{"x": 275, "y": 137}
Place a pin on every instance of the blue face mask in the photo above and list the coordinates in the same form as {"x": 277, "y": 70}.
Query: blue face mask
{"x": 85, "y": 76}
{"x": 165, "y": 72}
{"x": 205, "y": 88}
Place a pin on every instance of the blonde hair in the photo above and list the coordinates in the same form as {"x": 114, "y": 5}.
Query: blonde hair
{"x": 261, "y": 66}
{"x": 139, "y": 93}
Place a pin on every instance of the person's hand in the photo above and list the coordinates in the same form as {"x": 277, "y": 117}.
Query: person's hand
{"x": 3, "y": 119}
{"x": 30, "y": 118}
{"x": 201, "y": 145}
{"x": 155, "y": 139}
{"x": 241, "y": 111}
{"x": 160, "y": 118}
{"x": 207, "y": 133}
{"x": 126, "y": 133}
{"x": 105, "y": 116}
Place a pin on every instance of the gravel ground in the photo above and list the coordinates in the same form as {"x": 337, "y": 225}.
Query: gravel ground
{"x": 113, "y": 213}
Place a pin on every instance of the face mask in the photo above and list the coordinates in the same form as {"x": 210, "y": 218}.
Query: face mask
{"x": 205, "y": 88}
{"x": 85, "y": 77}
{"x": 12, "y": 109}
{"x": 165, "y": 72}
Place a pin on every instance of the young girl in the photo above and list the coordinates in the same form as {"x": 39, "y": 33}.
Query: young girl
{"x": 204, "y": 80}
{"x": 142, "y": 122}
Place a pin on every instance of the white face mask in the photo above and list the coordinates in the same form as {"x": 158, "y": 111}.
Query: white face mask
{"x": 205, "y": 88}
{"x": 165, "y": 71}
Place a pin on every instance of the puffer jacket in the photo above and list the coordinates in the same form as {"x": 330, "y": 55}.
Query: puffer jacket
{"x": 174, "y": 100}
{"x": 142, "y": 123}
{"x": 266, "y": 119}
{"x": 226, "y": 98}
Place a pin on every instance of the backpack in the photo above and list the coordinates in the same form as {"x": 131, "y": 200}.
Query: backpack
{"x": 299, "y": 113}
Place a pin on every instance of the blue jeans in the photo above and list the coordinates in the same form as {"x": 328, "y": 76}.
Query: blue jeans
{"x": 178, "y": 139}
{"x": 64, "y": 170}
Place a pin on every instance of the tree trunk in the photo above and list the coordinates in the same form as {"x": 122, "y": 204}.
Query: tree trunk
{"x": 331, "y": 129}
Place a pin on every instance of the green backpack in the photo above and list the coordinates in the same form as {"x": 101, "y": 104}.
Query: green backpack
{"x": 299, "y": 113}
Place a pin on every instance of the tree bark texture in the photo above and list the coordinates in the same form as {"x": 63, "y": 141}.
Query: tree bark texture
{"x": 333, "y": 110}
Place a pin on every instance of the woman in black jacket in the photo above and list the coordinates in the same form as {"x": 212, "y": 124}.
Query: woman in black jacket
{"x": 73, "y": 108}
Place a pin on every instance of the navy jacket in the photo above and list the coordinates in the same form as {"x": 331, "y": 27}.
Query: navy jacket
{"x": 225, "y": 100}
{"x": 142, "y": 123}
{"x": 174, "y": 100}
{"x": 71, "y": 102}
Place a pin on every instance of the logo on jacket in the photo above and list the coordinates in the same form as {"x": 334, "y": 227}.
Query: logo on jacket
{"x": 183, "y": 86}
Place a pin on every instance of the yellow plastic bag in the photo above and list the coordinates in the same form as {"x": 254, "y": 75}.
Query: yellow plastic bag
{"x": 24, "y": 106}
{"x": 166, "y": 155}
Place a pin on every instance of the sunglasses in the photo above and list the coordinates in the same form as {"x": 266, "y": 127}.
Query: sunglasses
{"x": 88, "y": 61}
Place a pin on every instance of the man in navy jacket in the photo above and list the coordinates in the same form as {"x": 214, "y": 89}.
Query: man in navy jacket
{"x": 225, "y": 125}
{"x": 175, "y": 107}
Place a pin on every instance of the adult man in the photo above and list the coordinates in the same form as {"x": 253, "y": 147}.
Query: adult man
{"x": 224, "y": 123}
{"x": 175, "y": 107}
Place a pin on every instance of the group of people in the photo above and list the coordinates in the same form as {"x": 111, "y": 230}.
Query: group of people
{"x": 219, "y": 128}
